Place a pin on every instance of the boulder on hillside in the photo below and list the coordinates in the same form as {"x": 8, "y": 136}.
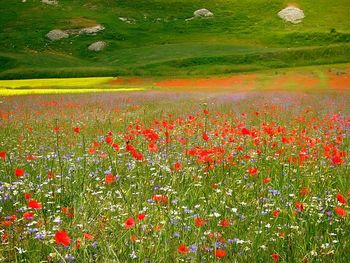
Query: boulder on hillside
{"x": 202, "y": 13}
{"x": 292, "y": 14}
{"x": 50, "y": 2}
{"x": 56, "y": 34}
{"x": 97, "y": 46}
{"x": 91, "y": 30}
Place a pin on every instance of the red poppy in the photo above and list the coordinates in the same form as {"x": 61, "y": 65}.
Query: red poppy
{"x": 141, "y": 216}
{"x": 115, "y": 147}
{"x": 109, "y": 140}
{"x": 78, "y": 244}
{"x": 304, "y": 191}
{"x": 88, "y": 236}
{"x": 340, "y": 212}
{"x": 77, "y": 130}
{"x": 56, "y": 129}
{"x": 341, "y": 199}
{"x": 3, "y": 155}
{"x": 62, "y": 238}
{"x": 160, "y": 198}
{"x": 276, "y": 213}
{"x": 28, "y": 215}
{"x": 225, "y": 223}
{"x": 134, "y": 238}
{"x": 220, "y": 253}
{"x": 337, "y": 160}
{"x": 34, "y": 204}
{"x": 152, "y": 147}
{"x": 27, "y": 196}
{"x": 129, "y": 223}
{"x": 4, "y": 237}
{"x": 253, "y": 171}
{"x": 205, "y": 136}
{"x": 6, "y": 223}
{"x": 267, "y": 180}
{"x": 275, "y": 257}
{"x": 110, "y": 178}
{"x": 50, "y": 175}
{"x": 245, "y": 131}
{"x": 299, "y": 206}
{"x": 199, "y": 222}
{"x": 177, "y": 166}
{"x": 183, "y": 249}
{"x": 19, "y": 172}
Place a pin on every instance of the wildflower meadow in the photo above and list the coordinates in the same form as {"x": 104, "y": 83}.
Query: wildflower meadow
{"x": 175, "y": 177}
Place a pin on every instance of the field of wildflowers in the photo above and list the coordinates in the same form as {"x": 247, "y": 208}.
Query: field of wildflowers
{"x": 175, "y": 177}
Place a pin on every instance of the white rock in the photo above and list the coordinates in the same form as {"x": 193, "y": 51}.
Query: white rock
{"x": 127, "y": 20}
{"x": 91, "y": 30}
{"x": 97, "y": 46}
{"x": 56, "y": 34}
{"x": 202, "y": 13}
{"x": 292, "y": 14}
{"x": 50, "y": 2}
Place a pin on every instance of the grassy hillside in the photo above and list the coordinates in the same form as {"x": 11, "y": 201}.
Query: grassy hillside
{"x": 243, "y": 35}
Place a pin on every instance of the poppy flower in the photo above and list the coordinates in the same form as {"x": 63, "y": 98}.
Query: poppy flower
{"x": 276, "y": 213}
{"x": 183, "y": 249}
{"x": 50, "y": 175}
{"x": 19, "y": 172}
{"x": 299, "y": 206}
{"x": 177, "y": 166}
{"x": 109, "y": 140}
{"x": 199, "y": 222}
{"x": 205, "y": 136}
{"x": 28, "y": 215}
{"x": 34, "y": 204}
{"x": 110, "y": 178}
{"x": 337, "y": 160}
{"x": 56, "y": 129}
{"x": 3, "y": 155}
{"x": 134, "y": 238}
{"x": 160, "y": 198}
{"x": 78, "y": 244}
{"x": 304, "y": 191}
{"x": 340, "y": 212}
{"x": 220, "y": 253}
{"x": 27, "y": 196}
{"x": 141, "y": 216}
{"x": 245, "y": 131}
{"x": 62, "y": 238}
{"x": 152, "y": 147}
{"x": 88, "y": 236}
{"x": 129, "y": 223}
{"x": 225, "y": 223}
{"x": 6, "y": 223}
{"x": 341, "y": 199}
{"x": 275, "y": 257}
{"x": 267, "y": 180}
{"x": 4, "y": 237}
{"x": 77, "y": 130}
{"x": 253, "y": 171}
{"x": 116, "y": 147}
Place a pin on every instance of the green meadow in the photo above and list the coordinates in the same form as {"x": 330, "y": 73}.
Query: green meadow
{"x": 242, "y": 36}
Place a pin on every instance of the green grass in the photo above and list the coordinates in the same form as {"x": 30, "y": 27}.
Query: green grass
{"x": 233, "y": 41}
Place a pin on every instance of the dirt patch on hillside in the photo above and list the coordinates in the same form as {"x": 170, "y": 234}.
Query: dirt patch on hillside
{"x": 82, "y": 22}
